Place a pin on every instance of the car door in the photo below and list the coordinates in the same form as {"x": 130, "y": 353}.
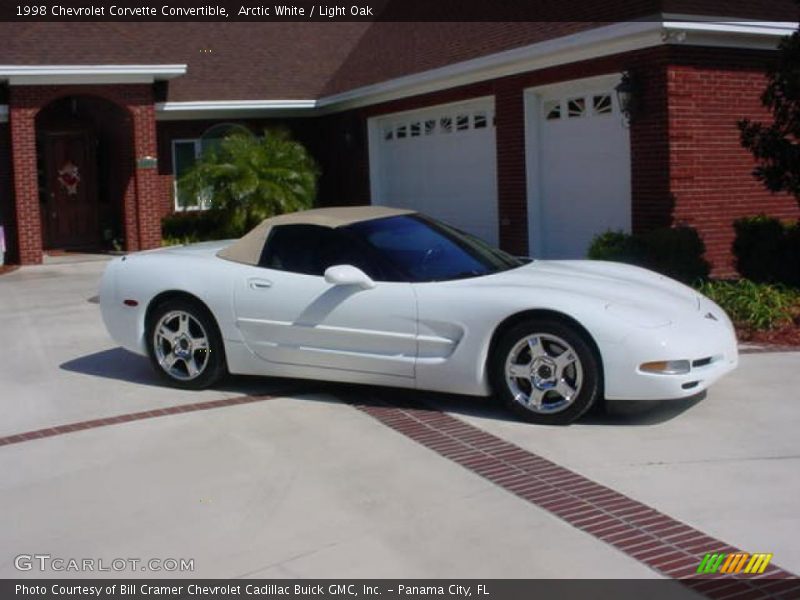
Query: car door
{"x": 288, "y": 313}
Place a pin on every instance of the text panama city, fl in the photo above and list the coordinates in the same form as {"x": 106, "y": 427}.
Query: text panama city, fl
{"x": 126, "y": 12}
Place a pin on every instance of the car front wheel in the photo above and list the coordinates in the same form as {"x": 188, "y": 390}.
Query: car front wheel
{"x": 546, "y": 372}
{"x": 184, "y": 344}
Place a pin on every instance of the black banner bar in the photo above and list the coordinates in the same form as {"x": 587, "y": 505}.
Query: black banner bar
{"x": 381, "y": 10}
{"x": 394, "y": 589}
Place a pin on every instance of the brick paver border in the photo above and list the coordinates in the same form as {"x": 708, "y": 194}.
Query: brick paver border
{"x": 664, "y": 544}
{"x": 137, "y": 416}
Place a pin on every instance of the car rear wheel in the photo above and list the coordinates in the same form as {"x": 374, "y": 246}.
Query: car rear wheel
{"x": 184, "y": 344}
{"x": 545, "y": 371}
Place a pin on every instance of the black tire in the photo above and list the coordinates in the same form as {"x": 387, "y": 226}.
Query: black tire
{"x": 583, "y": 374}
{"x": 210, "y": 362}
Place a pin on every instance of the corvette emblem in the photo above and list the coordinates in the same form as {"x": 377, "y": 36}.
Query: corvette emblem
{"x": 711, "y": 316}
{"x": 69, "y": 177}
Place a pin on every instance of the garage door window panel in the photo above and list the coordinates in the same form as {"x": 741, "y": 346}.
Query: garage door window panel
{"x": 602, "y": 104}
{"x": 552, "y": 110}
{"x": 576, "y": 107}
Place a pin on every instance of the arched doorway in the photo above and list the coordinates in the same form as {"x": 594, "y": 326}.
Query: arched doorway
{"x": 84, "y": 168}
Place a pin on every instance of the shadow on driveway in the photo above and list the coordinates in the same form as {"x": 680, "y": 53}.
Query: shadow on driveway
{"x": 615, "y": 413}
{"x": 119, "y": 364}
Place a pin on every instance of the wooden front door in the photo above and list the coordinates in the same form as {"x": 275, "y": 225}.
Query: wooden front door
{"x": 69, "y": 205}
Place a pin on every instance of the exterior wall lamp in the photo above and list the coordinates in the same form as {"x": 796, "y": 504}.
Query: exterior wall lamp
{"x": 628, "y": 92}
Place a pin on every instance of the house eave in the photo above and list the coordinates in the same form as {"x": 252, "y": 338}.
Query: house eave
{"x": 216, "y": 109}
{"x": 88, "y": 74}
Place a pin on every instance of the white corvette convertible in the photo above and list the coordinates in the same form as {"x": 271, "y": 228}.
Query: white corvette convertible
{"x": 390, "y": 297}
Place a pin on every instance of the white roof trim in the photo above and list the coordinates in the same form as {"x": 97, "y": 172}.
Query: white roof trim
{"x": 234, "y": 105}
{"x": 742, "y": 30}
{"x": 170, "y": 111}
{"x": 81, "y": 74}
{"x": 3, "y": 113}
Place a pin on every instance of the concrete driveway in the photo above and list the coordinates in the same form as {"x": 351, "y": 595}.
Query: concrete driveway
{"x": 315, "y": 480}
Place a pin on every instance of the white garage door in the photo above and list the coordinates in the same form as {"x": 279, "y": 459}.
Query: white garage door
{"x": 440, "y": 161}
{"x": 579, "y": 185}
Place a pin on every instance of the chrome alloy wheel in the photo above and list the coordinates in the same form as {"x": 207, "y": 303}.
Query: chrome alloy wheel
{"x": 181, "y": 345}
{"x": 543, "y": 373}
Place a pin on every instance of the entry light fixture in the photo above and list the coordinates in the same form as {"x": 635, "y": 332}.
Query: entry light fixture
{"x": 628, "y": 92}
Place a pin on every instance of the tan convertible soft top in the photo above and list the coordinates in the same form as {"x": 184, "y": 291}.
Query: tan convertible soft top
{"x": 247, "y": 249}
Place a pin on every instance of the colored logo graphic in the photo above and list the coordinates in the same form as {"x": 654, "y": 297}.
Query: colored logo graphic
{"x": 739, "y": 562}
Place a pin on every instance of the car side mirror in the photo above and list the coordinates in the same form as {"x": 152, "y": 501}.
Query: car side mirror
{"x": 348, "y": 275}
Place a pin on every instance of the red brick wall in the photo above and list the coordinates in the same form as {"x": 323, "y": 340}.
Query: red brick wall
{"x": 710, "y": 173}
{"x": 141, "y": 220}
{"x": 148, "y": 185}
{"x": 26, "y": 191}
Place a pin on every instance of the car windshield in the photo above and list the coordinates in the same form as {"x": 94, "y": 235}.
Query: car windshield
{"x": 426, "y": 250}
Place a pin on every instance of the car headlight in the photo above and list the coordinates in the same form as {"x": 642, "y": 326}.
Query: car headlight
{"x": 666, "y": 367}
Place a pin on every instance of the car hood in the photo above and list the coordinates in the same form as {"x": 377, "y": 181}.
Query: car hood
{"x": 615, "y": 284}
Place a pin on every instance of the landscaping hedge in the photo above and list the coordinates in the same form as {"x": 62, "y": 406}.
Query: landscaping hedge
{"x": 676, "y": 252}
{"x": 767, "y": 250}
{"x": 192, "y": 226}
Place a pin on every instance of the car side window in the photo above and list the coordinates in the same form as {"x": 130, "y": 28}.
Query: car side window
{"x": 311, "y": 249}
{"x": 295, "y": 248}
{"x": 342, "y": 248}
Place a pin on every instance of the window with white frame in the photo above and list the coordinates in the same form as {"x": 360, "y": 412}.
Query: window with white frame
{"x": 184, "y": 156}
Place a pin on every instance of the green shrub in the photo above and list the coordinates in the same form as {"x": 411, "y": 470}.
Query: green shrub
{"x": 193, "y": 226}
{"x": 753, "y": 305}
{"x": 248, "y": 179}
{"x": 768, "y": 250}
{"x": 616, "y": 246}
{"x": 676, "y": 252}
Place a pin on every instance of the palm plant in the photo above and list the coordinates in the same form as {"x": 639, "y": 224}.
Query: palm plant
{"x": 246, "y": 179}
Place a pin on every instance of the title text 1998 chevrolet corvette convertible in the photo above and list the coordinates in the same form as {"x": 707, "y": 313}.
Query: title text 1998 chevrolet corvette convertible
{"x": 391, "y": 297}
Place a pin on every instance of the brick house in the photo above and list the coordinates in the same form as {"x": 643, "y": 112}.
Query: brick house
{"x": 513, "y": 131}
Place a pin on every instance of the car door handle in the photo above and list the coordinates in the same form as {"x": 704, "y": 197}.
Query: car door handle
{"x": 259, "y": 284}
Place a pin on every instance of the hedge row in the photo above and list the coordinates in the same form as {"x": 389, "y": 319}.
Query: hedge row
{"x": 675, "y": 252}
{"x": 767, "y": 250}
